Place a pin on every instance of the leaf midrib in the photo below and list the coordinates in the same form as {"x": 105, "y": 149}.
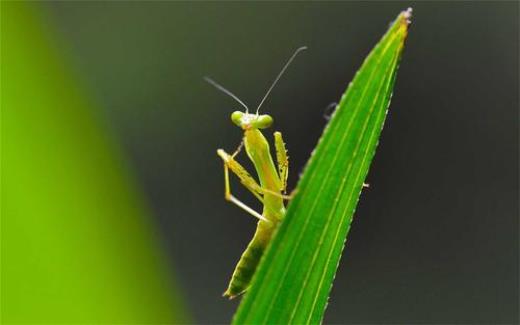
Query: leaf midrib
{"x": 344, "y": 179}
{"x": 323, "y": 183}
{"x": 371, "y": 137}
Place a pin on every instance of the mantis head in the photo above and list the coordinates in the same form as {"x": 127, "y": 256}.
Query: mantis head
{"x": 251, "y": 121}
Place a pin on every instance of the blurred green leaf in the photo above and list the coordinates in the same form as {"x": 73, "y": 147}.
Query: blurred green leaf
{"x": 77, "y": 241}
{"x": 294, "y": 279}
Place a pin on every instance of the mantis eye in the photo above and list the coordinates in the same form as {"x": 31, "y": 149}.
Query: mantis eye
{"x": 263, "y": 121}
{"x": 236, "y": 117}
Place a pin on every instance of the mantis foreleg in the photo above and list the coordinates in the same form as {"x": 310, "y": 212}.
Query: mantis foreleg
{"x": 245, "y": 178}
{"x": 281, "y": 159}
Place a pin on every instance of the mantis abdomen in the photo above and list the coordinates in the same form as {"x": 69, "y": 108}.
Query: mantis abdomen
{"x": 249, "y": 260}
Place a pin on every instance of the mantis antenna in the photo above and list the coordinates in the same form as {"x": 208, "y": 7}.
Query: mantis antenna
{"x": 225, "y": 91}
{"x": 298, "y": 50}
{"x": 230, "y": 94}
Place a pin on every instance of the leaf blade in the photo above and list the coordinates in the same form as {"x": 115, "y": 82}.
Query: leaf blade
{"x": 296, "y": 274}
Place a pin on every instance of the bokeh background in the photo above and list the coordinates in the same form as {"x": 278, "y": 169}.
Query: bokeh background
{"x": 112, "y": 193}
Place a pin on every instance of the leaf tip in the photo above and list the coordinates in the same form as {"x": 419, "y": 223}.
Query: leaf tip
{"x": 407, "y": 15}
{"x": 403, "y": 22}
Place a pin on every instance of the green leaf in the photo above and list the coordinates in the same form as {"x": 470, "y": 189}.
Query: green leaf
{"x": 295, "y": 276}
{"x": 78, "y": 245}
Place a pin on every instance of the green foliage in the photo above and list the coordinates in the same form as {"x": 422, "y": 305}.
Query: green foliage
{"x": 294, "y": 279}
{"x": 77, "y": 244}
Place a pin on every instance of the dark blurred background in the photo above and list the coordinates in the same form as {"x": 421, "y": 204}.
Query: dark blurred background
{"x": 435, "y": 237}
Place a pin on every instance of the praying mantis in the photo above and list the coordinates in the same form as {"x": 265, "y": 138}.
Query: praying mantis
{"x": 271, "y": 191}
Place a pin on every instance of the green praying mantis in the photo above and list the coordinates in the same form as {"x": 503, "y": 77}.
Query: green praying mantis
{"x": 271, "y": 191}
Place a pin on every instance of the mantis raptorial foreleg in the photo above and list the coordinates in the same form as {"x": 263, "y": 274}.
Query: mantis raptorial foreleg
{"x": 281, "y": 159}
{"x": 245, "y": 179}
{"x": 228, "y": 196}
